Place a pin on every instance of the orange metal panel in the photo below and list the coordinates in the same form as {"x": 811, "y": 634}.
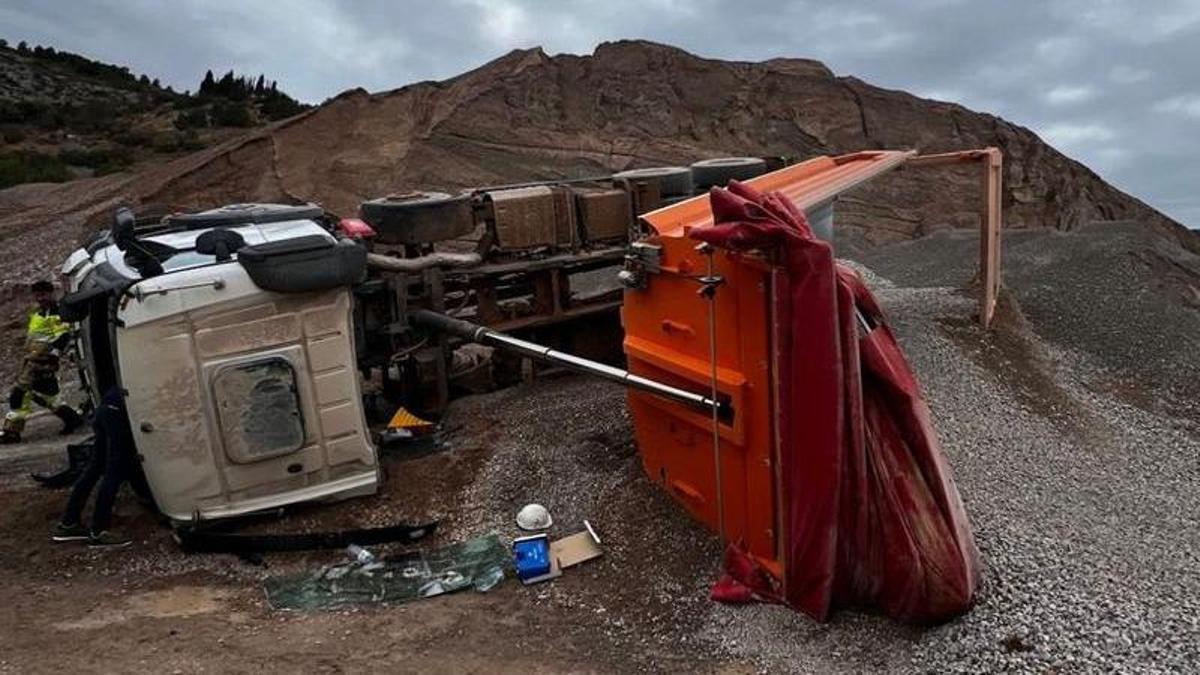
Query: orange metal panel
{"x": 989, "y": 238}
{"x": 991, "y": 161}
{"x": 807, "y": 184}
{"x": 666, "y": 329}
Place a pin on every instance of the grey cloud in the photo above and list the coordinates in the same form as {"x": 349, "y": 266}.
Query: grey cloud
{"x": 1111, "y": 83}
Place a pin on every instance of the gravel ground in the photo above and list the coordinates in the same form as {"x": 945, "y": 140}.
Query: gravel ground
{"x": 1086, "y": 521}
{"x": 1082, "y": 504}
{"x": 567, "y": 443}
{"x": 1118, "y": 292}
{"x": 1082, "y": 500}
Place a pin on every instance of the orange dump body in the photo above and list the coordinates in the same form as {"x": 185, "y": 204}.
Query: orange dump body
{"x": 667, "y": 339}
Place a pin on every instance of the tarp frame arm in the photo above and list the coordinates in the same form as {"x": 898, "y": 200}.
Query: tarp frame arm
{"x": 819, "y": 179}
{"x": 991, "y": 163}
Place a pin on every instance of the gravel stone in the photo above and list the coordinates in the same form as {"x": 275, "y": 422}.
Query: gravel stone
{"x": 1079, "y": 477}
{"x": 1086, "y": 522}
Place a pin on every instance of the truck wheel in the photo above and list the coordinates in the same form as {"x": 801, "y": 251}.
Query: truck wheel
{"x": 418, "y": 217}
{"x": 673, "y": 181}
{"x": 709, "y": 172}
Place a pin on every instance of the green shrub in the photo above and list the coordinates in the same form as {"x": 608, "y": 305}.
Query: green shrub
{"x": 92, "y": 116}
{"x": 135, "y": 138}
{"x": 193, "y": 118}
{"x": 102, "y": 160}
{"x": 31, "y": 167}
{"x": 276, "y": 106}
{"x": 190, "y": 141}
{"x": 39, "y": 113}
{"x": 231, "y": 114}
{"x": 166, "y": 142}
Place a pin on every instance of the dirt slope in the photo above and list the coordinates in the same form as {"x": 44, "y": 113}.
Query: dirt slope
{"x": 527, "y": 115}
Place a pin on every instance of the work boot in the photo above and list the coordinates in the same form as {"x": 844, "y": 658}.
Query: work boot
{"x": 71, "y": 420}
{"x": 10, "y": 437}
{"x": 63, "y": 532}
{"x": 108, "y": 539}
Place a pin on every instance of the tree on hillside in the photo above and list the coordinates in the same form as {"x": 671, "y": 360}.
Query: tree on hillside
{"x": 206, "y": 85}
{"x": 225, "y": 84}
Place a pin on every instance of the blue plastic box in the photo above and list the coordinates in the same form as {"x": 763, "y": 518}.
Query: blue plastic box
{"x": 531, "y": 556}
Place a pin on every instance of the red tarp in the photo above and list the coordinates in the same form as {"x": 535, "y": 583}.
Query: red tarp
{"x": 871, "y": 516}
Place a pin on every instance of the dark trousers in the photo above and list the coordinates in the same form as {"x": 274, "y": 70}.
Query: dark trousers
{"x": 112, "y": 459}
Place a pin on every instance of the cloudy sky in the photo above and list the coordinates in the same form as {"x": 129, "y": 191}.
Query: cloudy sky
{"x": 1113, "y": 83}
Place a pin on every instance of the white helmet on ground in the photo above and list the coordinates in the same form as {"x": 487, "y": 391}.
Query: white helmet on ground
{"x": 534, "y": 517}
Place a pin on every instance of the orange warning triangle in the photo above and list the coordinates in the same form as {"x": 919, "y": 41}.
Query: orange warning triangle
{"x": 403, "y": 419}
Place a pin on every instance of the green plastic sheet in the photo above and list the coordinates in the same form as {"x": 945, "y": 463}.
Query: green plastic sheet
{"x": 477, "y": 563}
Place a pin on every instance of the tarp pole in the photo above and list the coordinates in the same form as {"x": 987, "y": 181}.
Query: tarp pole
{"x": 709, "y": 290}
{"x": 486, "y": 336}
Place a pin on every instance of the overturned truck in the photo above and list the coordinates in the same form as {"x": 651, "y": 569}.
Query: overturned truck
{"x": 254, "y": 341}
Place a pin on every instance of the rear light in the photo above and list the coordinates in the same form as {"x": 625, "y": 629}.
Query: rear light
{"x": 355, "y": 228}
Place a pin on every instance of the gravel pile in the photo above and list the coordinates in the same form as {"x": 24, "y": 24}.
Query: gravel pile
{"x": 1086, "y": 521}
{"x": 567, "y": 443}
{"x": 1119, "y": 292}
{"x": 1083, "y": 503}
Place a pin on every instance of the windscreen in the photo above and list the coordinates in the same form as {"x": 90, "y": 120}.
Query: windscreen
{"x": 259, "y": 410}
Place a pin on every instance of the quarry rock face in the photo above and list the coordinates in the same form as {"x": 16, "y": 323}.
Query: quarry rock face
{"x": 529, "y": 116}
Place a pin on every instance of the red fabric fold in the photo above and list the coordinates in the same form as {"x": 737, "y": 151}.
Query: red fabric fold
{"x": 871, "y": 515}
{"x": 744, "y": 581}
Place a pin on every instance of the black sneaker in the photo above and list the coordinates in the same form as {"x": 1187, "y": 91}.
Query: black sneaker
{"x": 63, "y": 533}
{"x": 108, "y": 539}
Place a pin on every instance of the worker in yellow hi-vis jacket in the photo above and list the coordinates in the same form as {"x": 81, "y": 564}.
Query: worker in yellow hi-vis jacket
{"x": 46, "y": 336}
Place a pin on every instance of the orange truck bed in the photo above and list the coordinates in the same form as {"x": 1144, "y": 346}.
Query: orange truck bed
{"x": 667, "y": 339}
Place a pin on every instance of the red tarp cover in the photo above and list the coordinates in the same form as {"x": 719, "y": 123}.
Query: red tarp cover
{"x": 871, "y": 516}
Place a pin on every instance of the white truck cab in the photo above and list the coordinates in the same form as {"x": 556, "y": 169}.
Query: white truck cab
{"x": 231, "y": 333}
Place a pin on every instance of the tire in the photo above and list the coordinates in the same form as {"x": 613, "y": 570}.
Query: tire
{"x": 673, "y": 181}
{"x": 709, "y": 172}
{"x": 419, "y": 217}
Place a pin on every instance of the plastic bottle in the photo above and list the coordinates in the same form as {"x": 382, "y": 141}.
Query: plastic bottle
{"x": 360, "y": 554}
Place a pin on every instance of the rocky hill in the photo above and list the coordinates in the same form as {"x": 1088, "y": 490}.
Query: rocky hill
{"x": 529, "y": 116}
{"x": 65, "y": 116}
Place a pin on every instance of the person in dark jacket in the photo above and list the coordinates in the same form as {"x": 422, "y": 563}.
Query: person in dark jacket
{"x": 114, "y": 461}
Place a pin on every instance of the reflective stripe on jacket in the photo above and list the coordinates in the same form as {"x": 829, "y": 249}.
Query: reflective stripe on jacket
{"x": 46, "y": 326}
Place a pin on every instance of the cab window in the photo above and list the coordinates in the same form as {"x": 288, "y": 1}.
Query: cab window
{"x": 259, "y": 410}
